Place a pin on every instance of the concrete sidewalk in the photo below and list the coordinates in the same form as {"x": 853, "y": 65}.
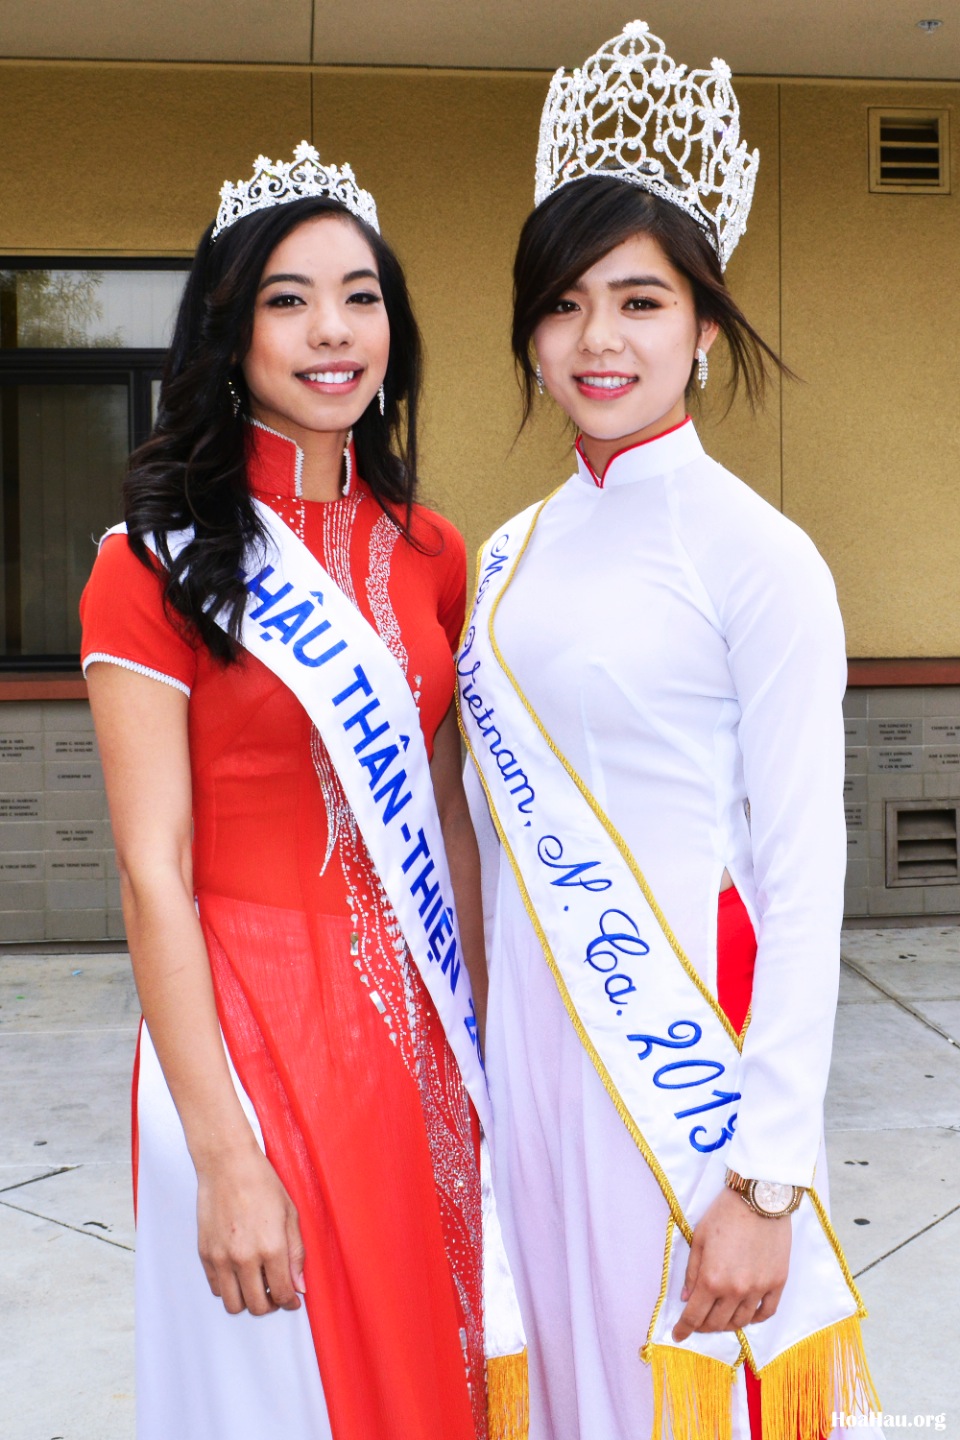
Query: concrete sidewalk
{"x": 67, "y": 1032}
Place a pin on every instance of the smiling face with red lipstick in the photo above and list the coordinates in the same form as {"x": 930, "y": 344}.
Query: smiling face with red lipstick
{"x": 616, "y": 351}
{"x": 321, "y": 335}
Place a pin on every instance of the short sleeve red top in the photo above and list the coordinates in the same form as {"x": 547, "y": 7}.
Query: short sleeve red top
{"x": 261, "y": 795}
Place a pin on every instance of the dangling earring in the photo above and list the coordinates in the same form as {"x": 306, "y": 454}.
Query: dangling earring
{"x": 234, "y": 394}
{"x": 382, "y": 400}
{"x": 348, "y": 464}
{"x": 539, "y": 376}
{"x": 703, "y": 368}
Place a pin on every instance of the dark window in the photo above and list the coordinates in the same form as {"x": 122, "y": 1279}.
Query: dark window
{"x": 81, "y": 351}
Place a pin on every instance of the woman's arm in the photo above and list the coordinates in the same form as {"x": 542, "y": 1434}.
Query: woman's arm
{"x": 778, "y": 609}
{"x": 463, "y": 857}
{"x": 249, "y": 1235}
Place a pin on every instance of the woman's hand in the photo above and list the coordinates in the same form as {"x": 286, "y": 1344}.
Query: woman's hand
{"x": 249, "y": 1234}
{"x": 737, "y": 1268}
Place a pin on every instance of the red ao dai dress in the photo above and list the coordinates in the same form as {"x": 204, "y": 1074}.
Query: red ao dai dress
{"x": 338, "y": 1053}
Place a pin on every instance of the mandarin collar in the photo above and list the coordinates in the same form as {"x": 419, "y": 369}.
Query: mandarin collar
{"x": 275, "y": 462}
{"x": 675, "y": 447}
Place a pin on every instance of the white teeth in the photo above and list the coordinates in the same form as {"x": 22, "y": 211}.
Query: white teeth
{"x": 332, "y": 377}
{"x": 605, "y": 382}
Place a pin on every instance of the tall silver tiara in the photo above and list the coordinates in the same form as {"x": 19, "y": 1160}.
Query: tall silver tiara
{"x": 632, "y": 113}
{"x": 274, "y": 183}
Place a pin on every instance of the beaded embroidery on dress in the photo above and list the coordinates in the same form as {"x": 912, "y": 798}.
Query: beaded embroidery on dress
{"x": 383, "y": 964}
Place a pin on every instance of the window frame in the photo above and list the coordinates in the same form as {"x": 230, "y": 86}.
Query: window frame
{"x": 136, "y": 369}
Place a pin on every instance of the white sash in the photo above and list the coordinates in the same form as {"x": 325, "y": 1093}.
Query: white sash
{"x": 659, "y": 1041}
{"x": 303, "y": 628}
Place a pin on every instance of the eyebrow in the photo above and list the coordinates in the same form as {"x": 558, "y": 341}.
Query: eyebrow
{"x": 305, "y": 279}
{"x": 632, "y": 282}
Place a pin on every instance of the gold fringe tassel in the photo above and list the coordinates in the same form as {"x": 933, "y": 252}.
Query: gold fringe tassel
{"x": 692, "y": 1395}
{"x": 508, "y": 1397}
{"x": 823, "y": 1374}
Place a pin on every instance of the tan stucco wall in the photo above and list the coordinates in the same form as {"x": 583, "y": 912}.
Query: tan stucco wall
{"x": 871, "y": 320}
{"x": 859, "y": 290}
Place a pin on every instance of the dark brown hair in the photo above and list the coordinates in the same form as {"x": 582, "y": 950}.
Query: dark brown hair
{"x": 191, "y": 472}
{"x": 584, "y": 221}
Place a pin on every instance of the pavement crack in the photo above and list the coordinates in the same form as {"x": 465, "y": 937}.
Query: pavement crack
{"x": 77, "y": 1229}
{"x": 60, "y": 1170}
{"x": 903, "y": 1004}
{"x": 893, "y": 1249}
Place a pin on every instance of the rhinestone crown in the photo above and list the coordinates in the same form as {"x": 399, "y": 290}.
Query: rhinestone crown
{"x": 633, "y": 113}
{"x": 274, "y": 183}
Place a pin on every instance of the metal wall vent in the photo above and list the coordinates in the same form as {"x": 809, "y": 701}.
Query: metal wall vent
{"x": 910, "y": 151}
{"x": 922, "y": 843}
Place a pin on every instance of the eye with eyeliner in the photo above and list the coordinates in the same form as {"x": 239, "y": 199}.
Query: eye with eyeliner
{"x": 284, "y": 301}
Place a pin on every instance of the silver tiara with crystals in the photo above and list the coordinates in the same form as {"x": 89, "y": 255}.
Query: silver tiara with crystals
{"x": 274, "y": 183}
{"x": 632, "y": 113}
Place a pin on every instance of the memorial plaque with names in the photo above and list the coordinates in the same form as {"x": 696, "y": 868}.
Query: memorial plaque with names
{"x": 896, "y": 761}
{"x": 20, "y": 867}
{"x": 74, "y": 836}
{"x": 19, "y": 747}
{"x": 86, "y": 869}
{"x": 19, "y": 807}
{"x": 944, "y": 732}
{"x": 73, "y": 745}
{"x": 72, "y": 777}
{"x": 896, "y": 732}
{"x": 941, "y": 759}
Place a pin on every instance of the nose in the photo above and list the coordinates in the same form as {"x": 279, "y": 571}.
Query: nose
{"x": 601, "y": 331}
{"x": 328, "y": 325}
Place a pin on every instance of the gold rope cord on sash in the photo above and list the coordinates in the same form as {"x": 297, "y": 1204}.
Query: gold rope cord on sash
{"x": 692, "y": 1393}
{"x": 508, "y": 1397}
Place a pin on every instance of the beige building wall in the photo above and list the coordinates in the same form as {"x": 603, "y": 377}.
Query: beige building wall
{"x": 859, "y": 290}
{"x": 871, "y": 320}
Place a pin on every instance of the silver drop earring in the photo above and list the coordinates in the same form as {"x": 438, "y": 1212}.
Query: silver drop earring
{"x": 539, "y": 374}
{"x": 703, "y": 368}
{"x": 382, "y": 400}
{"x": 234, "y": 396}
{"x": 348, "y": 464}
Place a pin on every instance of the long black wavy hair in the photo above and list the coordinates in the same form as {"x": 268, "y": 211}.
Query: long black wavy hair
{"x": 579, "y": 224}
{"x": 191, "y": 471}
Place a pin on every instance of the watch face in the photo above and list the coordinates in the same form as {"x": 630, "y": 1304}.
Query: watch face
{"x": 775, "y": 1199}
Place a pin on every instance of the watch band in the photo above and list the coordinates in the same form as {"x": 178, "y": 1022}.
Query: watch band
{"x": 769, "y": 1198}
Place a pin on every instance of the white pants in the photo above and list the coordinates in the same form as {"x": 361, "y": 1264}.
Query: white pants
{"x": 203, "y": 1374}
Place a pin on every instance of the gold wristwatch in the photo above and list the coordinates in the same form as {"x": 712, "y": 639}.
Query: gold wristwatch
{"x": 768, "y": 1198}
